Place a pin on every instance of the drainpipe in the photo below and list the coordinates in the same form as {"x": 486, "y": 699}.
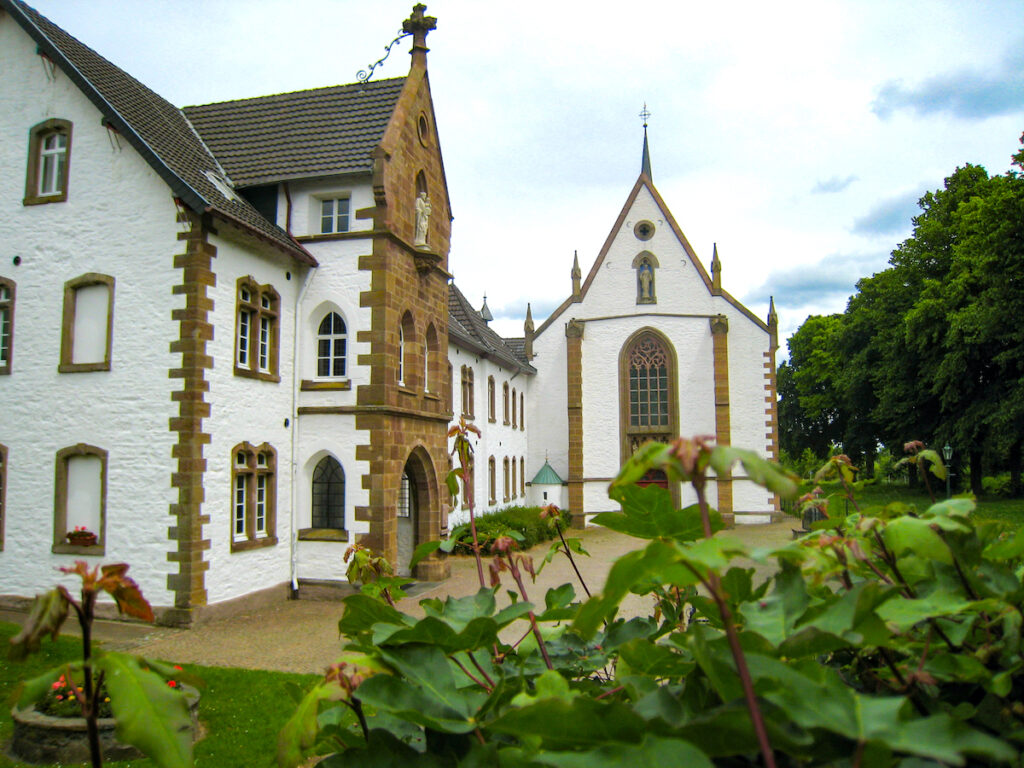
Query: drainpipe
{"x": 288, "y": 208}
{"x": 293, "y": 534}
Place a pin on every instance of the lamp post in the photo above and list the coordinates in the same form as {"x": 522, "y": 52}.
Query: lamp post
{"x": 947, "y": 454}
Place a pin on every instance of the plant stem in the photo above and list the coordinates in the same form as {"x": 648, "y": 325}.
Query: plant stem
{"x": 572, "y": 561}
{"x": 470, "y": 675}
{"x": 533, "y": 617}
{"x": 480, "y": 669}
{"x": 714, "y": 584}
{"x": 85, "y": 619}
{"x": 356, "y": 706}
{"x": 612, "y": 692}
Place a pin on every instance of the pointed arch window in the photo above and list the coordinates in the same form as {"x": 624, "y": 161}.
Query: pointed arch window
{"x": 648, "y": 396}
{"x": 331, "y": 347}
{"x": 328, "y": 494}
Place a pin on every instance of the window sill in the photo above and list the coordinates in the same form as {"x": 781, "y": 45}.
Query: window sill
{"x": 83, "y": 367}
{"x": 246, "y": 544}
{"x": 97, "y": 550}
{"x": 43, "y": 199}
{"x": 310, "y": 385}
{"x": 408, "y": 390}
{"x": 432, "y": 396}
{"x": 323, "y": 534}
{"x": 246, "y": 373}
{"x": 492, "y": 420}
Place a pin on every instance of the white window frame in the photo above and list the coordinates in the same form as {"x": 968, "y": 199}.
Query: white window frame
{"x": 334, "y": 221}
{"x": 332, "y": 338}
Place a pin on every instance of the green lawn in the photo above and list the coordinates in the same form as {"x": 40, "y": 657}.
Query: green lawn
{"x": 1009, "y": 511}
{"x": 242, "y": 710}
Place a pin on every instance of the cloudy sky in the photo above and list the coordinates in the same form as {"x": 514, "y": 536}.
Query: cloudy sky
{"x": 797, "y": 135}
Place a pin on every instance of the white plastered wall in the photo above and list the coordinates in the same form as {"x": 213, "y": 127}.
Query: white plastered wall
{"x": 247, "y": 410}
{"x": 118, "y": 220}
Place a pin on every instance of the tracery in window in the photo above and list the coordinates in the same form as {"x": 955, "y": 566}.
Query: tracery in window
{"x": 648, "y": 384}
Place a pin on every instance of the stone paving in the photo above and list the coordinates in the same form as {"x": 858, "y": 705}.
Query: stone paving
{"x": 302, "y": 635}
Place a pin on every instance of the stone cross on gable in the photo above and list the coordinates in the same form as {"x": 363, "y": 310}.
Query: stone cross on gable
{"x": 419, "y": 25}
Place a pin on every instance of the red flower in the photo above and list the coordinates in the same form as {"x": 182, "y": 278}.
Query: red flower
{"x": 172, "y": 683}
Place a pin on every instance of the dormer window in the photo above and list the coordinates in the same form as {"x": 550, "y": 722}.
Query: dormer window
{"x": 334, "y": 215}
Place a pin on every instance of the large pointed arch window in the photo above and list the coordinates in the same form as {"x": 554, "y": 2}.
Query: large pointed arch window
{"x": 648, "y": 391}
{"x": 328, "y": 494}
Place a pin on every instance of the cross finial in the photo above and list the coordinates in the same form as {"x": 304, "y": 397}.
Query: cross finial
{"x": 418, "y": 25}
{"x": 644, "y": 114}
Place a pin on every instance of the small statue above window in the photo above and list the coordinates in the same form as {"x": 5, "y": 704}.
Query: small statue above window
{"x": 645, "y": 283}
{"x": 422, "y": 219}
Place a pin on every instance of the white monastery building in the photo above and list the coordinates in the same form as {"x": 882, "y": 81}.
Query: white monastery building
{"x": 230, "y": 346}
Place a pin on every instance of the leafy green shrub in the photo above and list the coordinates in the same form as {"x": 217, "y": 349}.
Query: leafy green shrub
{"x": 996, "y": 486}
{"x": 886, "y": 638}
{"x": 524, "y": 522}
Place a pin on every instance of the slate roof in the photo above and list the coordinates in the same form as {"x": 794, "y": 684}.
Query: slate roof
{"x": 324, "y": 131}
{"x": 466, "y": 326}
{"x": 153, "y": 126}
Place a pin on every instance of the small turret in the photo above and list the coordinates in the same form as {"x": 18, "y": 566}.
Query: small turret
{"x": 577, "y": 294}
{"x": 485, "y": 313}
{"x": 528, "y": 334}
{"x": 716, "y": 273}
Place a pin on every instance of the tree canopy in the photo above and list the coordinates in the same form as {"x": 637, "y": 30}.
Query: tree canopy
{"x": 931, "y": 348}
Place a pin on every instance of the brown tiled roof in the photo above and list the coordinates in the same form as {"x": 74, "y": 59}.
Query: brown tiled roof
{"x": 466, "y": 325}
{"x": 325, "y": 131}
{"x": 153, "y": 126}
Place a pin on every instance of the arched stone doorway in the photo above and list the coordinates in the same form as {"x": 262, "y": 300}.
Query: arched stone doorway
{"x": 417, "y": 495}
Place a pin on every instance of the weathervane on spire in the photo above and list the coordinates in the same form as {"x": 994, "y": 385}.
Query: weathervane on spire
{"x": 645, "y": 161}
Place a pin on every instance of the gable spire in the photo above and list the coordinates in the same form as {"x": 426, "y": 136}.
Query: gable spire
{"x": 576, "y": 276}
{"x": 716, "y": 272}
{"x": 645, "y": 160}
{"x": 528, "y": 333}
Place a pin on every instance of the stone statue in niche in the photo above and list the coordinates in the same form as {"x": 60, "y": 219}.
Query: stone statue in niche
{"x": 422, "y": 219}
{"x": 645, "y": 280}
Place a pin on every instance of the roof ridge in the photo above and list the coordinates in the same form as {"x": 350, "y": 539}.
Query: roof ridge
{"x": 320, "y": 89}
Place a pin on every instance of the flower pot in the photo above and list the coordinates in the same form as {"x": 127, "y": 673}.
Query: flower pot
{"x": 82, "y": 539}
{"x": 40, "y": 738}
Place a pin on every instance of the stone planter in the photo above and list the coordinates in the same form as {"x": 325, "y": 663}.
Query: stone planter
{"x": 40, "y": 738}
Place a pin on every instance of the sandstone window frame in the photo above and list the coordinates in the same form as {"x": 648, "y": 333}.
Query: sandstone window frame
{"x": 504, "y": 480}
{"x": 522, "y": 411}
{"x": 38, "y": 172}
{"x": 647, "y": 348}
{"x": 8, "y": 290}
{"x": 467, "y": 391}
{"x": 431, "y": 361}
{"x": 253, "y": 506}
{"x": 522, "y": 476}
{"x": 60, "y": 501}
{"x": 71, "y": 317}
{"x": 471, "y": 474}
{"x": 515, "y": 422}
{"x": 515, "y": 485}
{"x": 504, "y": 393}
{"x": 492, "y": 481}
{"x": 490, "y": 400}
{"x": 257, "y": 330}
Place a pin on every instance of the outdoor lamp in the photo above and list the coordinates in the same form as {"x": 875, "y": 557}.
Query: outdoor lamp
{"x": 947, "y": 452}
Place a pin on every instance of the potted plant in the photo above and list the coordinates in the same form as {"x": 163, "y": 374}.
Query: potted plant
{"x": 82, "y": 537}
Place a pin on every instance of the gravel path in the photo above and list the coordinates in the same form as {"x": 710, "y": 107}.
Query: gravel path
{"x": 302, "y": 635}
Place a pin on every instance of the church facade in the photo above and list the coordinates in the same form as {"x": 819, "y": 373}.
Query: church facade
{"x": 228, "y": 352}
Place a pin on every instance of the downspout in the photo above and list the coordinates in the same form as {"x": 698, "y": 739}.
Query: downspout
{"x": 293, "y": 535}
{"x": 287, "y": 208}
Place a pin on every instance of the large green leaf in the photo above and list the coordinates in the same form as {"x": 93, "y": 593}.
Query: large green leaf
{"x": 441, "y": 707}
{"x": 917, "y": 535}
{"x": 150, "y": 715}
{"x": 383, "y": 751}
{"x": 774, "y": 616}
{"x": 903, "y": 613}
{"x": 759, "y": 470}
{"x": 582, "y": 723}
{"x": 643, "y": 657}
{"x": 648, "y": 513}
{"x": 652, "y": 752}
{"x": 299, "y": 734}
{"x": 363, "y": 611}
{"x": 481, "y": 632}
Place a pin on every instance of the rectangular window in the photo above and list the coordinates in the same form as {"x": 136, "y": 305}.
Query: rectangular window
{"x": 504, "y": 483}
{"x": 253, "y": 497}
{"x": 88, "y": 324}
{"x": 49, "y": 153}
{"x": 522, "y": 477}
{"x": 514, "y": 484}
{"x": 334, "y": 215}
{"x": 6, "y": 324}
{"x": 80, "y": 500}
{"x": 257, "y": 333}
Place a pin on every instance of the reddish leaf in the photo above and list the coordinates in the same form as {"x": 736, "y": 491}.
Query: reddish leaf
{"x": 125, "y": 592}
